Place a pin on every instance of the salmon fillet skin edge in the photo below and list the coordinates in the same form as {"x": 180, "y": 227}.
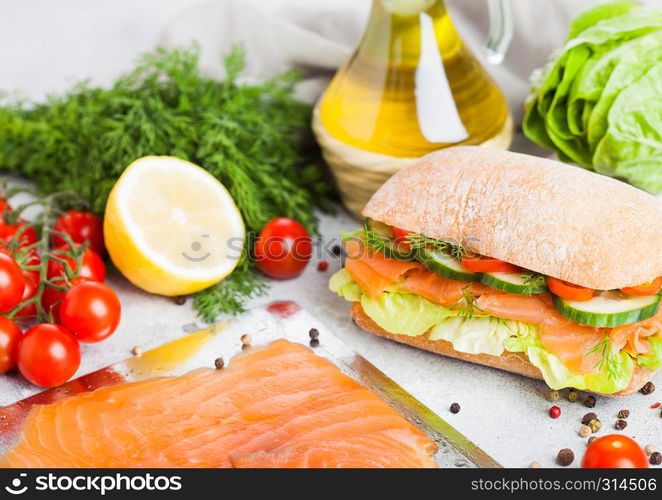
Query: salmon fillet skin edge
{"x": 275, "y": 406}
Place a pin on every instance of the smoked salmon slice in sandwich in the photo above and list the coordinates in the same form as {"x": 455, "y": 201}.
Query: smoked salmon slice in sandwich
{"x": 515, "y": 262}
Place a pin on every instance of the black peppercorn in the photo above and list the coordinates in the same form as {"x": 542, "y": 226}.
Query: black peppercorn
{"x": 455, "y": 408}
{"x": 219, "y": 363}
{"x": 656, "y": 458}
{"x": 565, "y": 457}
{"x": 623, "y": 414}
{"x": 314, "y": 342}
{"x": 648, "y": 388}
{"x": 180, "y": 300}
{"x": 588, "y": 417}
{"x": 620, "y": 425}
{"x": 314, "y": 333}
{"x": 589, "y": 401}
{"x": 336, "y": 250}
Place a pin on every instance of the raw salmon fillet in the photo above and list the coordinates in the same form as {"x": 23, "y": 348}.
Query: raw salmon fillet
{"x": 276, "y": 406}
{"x": 373, "y": 271}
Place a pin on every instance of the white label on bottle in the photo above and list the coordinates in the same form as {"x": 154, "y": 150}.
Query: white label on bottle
{"x": 435, "y": 107}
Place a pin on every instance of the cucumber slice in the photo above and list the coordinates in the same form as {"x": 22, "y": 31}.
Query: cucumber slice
{"x": 609, "y": 309}
{"x": 380, "y": 228}
{"x": 513, "y": 283}
{"x": 445, "y": 265}
{"x": 392, "y": 249}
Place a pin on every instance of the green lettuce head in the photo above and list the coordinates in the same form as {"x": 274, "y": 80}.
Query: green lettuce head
{"x": 598, "y": 102}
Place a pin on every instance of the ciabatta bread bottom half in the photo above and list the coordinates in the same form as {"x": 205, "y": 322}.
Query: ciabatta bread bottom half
{"x": 514, "y": 362}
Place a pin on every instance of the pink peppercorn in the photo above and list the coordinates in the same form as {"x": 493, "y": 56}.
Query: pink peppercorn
{"x": 322, "y": 266}
{"x": 555, "y": 412}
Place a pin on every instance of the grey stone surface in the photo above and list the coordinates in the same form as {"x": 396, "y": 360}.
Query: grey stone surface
{"x": 505, "y": 415}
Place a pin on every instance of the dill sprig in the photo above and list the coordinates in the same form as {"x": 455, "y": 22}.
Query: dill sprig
{"x": 377, "y": 241}
{"x": 229, "y": 296}
{"x": 419, "y": 241}
{"x": 533, "y": 281}
{"x": 254, "y": 138}
{"x": 374, "y": 239}
{"x": 371, "y": 238}
{"x": 608, "y": 360}
{"x": 467, "y": 304}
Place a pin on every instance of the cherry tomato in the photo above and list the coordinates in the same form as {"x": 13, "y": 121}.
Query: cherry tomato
{"x": 614, "y": 451}
{"x": 48, "y": 355}
{"x": 481, "y": 264}
{"x": 283, "y": 248}
{"x": 27, "y": 237}
{"x": 91, "y": 311}
{"x": 569, "y": 291}
{"x": 12, "y": 283}
{"x": 26, "y": 258}
{"x": 51, "y": 298}
{"x": 92, "y": 266}
{"x": 81, "y": 227}
{"x": 400, "y": 235}
{"x": 29, "y": 311}
{"x": 31, "y": 259}
{"x": 10, "y": 337}
{"x": 4, "y": 207}
{"x": 651, "y": 288}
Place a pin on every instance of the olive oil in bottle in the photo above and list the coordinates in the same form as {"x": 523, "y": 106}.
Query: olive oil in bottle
{"x": 412, "y": 86}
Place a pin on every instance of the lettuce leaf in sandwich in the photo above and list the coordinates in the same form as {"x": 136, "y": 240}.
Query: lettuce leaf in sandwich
{"x": 413, "y": 315}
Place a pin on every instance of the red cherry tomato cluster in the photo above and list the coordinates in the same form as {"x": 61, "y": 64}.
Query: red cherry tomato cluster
{"x": 56, "y": 289}
{"x": 81, "y": 227}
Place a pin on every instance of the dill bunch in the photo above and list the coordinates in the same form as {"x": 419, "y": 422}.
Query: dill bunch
{"x": 254, "y": 138}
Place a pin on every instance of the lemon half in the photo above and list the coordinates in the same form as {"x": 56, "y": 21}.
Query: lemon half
{"x": 171, "y": 227}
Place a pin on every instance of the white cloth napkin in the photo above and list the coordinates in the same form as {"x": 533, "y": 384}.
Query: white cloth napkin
{"x": 319, "y": 36}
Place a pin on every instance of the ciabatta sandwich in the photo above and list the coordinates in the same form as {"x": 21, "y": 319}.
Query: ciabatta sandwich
{"x": 515, "y": 262}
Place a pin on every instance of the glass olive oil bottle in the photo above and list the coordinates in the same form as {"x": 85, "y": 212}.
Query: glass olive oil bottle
{"x": 412, "y": 86}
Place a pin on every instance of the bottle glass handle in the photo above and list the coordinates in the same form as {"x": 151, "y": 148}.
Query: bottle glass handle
{"x": 501, "y": 30}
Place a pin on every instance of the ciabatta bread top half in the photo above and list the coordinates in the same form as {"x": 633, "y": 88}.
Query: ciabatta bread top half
{"x": 545, "y": 216}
